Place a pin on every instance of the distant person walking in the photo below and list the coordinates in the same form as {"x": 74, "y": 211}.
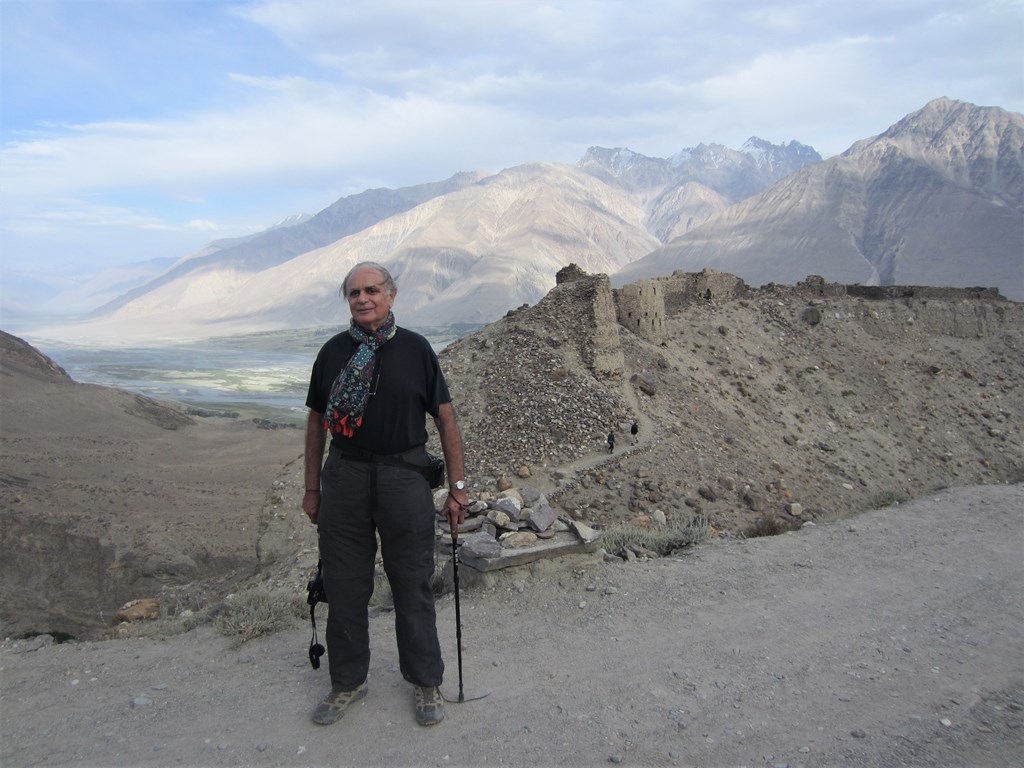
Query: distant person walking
{"x": 633, "y": 431}
{"x": 611, "y": 442}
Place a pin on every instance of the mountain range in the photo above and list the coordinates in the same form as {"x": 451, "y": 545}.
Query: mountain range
{"x": 936, "y": 199}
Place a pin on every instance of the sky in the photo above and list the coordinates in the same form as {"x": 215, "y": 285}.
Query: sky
{"x": 143, "y": 129}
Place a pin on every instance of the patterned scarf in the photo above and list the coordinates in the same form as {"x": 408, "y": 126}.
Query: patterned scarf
{"x": 351, "y": 390}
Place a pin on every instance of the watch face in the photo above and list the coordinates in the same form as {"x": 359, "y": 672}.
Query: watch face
{"x": 460, "y": 485}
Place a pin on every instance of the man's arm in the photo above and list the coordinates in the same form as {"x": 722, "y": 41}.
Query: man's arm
{"x": 315, "y": 439}
{"x": 451, "y": 444}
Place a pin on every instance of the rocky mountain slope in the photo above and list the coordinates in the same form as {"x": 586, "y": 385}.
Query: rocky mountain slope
{"x": 819, "y": 395}
{"x": 464, "y": 257}
{"x": 934, "y": 200}
{"x": 762, "y": 406}
{"x": 937, "y": 199}
{"x": 687, "y": 189}
{"x": 468, "y": 249}
{"x": 245, "y": 256}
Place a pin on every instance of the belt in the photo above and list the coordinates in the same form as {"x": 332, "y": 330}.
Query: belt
{"x": 432, "y": 471}
{"x": 359, "y": 454}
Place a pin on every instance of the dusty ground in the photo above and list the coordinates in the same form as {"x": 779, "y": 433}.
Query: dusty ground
{"x": 893, "y": 638}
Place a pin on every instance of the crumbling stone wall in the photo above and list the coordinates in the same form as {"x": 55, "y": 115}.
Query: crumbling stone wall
{"x": 924, "y": 319}
{"x": 643, "y": 306}
{"x": 812, "y": 287}
{"x": 884, "y": 292}
{"x": 640, "y": 308}
{"x": 684, "y": 288}
{"x": 658, "y": 299}
{"x": 570, "y": 274}
{"x": 606, "y": 359}
{"x": 815, "y": 286}
{"x": 583, "y": 306}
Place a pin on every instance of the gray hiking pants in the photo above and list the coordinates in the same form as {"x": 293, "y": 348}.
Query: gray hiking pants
{"x": 361, "y": 499}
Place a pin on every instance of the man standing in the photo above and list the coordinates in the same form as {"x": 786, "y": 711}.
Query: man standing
{"x": 371, "y": 388}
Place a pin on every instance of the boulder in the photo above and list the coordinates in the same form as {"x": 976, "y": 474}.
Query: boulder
{"x": 146, "y": 609}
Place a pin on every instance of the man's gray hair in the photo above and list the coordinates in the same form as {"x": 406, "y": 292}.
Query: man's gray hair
{"x": 389, "y": 281}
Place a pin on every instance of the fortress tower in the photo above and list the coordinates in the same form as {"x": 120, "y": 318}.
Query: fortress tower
{"x": 640, "y": 308}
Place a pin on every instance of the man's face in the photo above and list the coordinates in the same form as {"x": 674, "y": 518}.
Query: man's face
{"x": 368, "y": 298}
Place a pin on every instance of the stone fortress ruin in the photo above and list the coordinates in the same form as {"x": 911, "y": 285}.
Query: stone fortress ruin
{"x": 643, "y": 307}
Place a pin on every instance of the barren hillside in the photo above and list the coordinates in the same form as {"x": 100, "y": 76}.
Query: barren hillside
{"x": 107, "y": 496}
{"x": 749, "y": 402}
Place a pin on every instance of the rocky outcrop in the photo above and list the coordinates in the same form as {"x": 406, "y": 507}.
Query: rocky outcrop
{"x": 505, "y": 529}
{"x": 815, "y": 394}
{"x": 20, "y": 358}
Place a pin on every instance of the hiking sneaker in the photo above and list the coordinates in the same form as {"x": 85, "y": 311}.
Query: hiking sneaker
{"x": 333, "y": 707}
{"x": 429, "y": 705}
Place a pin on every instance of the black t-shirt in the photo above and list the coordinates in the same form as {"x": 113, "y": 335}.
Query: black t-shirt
{"x": 409, "y": 384}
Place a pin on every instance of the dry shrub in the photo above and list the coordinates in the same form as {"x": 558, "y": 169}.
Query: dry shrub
{"x": 662, "y": 540}
{"x": 168, "y": 625}
{"x": 769, "y": 524}
{"x": 260, "y": 611}
{"x": 887, "y": 497}
{"x": 381, "y": 597}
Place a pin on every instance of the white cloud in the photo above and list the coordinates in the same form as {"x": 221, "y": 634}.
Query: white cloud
{"x": 202, "y": 225}
{"x": 58, "y": 214}
{"x": 297, "y": 102}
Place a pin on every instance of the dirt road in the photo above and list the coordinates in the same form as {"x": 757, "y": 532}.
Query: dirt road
{"x": 894, "y": 638}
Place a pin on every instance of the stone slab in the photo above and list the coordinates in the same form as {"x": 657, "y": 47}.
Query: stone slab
{"x": 563, "y": 543}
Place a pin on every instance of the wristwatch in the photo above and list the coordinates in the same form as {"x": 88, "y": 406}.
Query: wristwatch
{"x": 459, "y": 485}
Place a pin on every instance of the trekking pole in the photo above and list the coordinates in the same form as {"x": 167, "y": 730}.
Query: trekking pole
{"x": 458, "y": 613}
